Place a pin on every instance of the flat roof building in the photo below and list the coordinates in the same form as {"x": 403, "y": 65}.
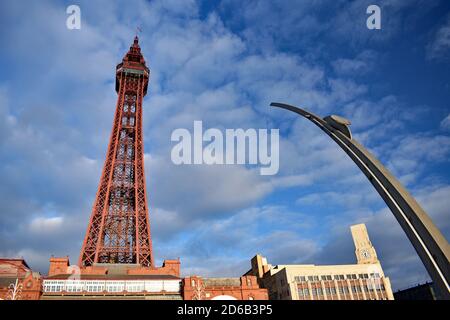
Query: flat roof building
{"x": 362, "y": 281}
{"x": 112, "y": 281}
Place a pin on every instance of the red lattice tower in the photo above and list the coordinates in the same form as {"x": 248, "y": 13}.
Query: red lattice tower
{"x": 119, "y": 228}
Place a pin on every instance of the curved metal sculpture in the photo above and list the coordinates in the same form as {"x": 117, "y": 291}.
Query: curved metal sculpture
{"x": 431, "y": 246}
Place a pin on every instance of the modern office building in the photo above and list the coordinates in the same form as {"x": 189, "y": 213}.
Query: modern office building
{"x": 364, "y": 280}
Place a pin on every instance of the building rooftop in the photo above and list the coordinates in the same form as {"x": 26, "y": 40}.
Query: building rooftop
{"x": 15, "y": 260}
{"x": 114, "y": 277}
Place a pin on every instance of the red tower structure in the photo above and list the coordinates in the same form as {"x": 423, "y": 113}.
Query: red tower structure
{"x": 119, "y": 228}
{"x": 116, "y": 260}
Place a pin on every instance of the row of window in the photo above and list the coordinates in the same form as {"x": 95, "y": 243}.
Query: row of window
{"x": 304, "y": 292}
{"x": 337, "y": 277}
{"x": 110, "y": 286}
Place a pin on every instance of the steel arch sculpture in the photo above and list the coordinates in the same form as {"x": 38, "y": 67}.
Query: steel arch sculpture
{"x": 429, "y": 243}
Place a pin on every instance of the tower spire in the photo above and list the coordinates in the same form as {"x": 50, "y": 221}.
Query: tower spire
{"x": 136, "y": 39}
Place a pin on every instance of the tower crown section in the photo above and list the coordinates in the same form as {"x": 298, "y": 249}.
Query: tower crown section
{"x": 133, "y": 64}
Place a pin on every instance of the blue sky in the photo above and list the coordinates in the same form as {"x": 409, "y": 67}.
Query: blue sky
{"x": 223, "y": 62}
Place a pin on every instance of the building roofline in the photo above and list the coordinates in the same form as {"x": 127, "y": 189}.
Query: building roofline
{"x": 113, "y": 277}
{"x": 15, "y": 259}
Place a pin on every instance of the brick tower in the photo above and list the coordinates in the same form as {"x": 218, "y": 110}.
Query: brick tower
{"x": 119, "y": 228}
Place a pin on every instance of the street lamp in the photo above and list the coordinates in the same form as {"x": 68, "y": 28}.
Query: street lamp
{"x": 431, "y": 246}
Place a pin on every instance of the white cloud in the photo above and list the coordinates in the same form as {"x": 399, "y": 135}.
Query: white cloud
{"x": 292, "y": 181}
{"x": 445, "y": 123}
{"x": 434, "y": 199}
{"x": 201, "y": 191}
{"x": 405, "y": 157}
{"x": 360, "y": 65}
{"x": 232, "y": 240}
{"x": 45, "y": 225}
{"x": 349, "y": 199}
{"x": 37, "y": 260}
{"x": 439, "y": 47}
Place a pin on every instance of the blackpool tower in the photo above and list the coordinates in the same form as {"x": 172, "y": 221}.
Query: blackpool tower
{"x": 119, "y": 228}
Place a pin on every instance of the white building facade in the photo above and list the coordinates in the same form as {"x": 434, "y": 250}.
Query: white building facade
{"x": 362, "y": 281}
